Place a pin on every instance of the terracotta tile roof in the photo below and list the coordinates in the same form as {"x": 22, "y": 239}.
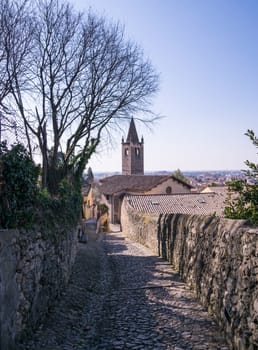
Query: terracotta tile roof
{"x": 192, "y": 203}
{"x": 134, "y": 183}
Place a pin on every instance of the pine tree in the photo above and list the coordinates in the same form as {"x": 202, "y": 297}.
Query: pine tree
{"x": 242, "y": 201}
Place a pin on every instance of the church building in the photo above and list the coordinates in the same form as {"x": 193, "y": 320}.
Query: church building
{"x": 133, "y": 180}
{"x": 132, "y": 153}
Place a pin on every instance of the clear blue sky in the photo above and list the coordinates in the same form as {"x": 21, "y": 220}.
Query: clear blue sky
{"x": 206, "y": 52}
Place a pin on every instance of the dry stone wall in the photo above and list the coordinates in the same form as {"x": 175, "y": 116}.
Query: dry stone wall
{"x": 34, "y": 270}
{"x": 217, "y": 257}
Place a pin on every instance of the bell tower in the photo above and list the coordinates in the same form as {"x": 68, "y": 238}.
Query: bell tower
{"x": 132, "y": 153}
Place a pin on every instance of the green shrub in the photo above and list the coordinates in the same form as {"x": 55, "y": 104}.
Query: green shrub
{"x": 24, "y": 204}
{"x": 19, "y": 187}
{"x": 71, "y": 201}
{"x": 242, "y": 201}
{"x": 63, "y": 210}
{"x": 103, "y": 209}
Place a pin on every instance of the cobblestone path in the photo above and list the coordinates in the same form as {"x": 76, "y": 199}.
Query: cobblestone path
{"x": 123, "y": 297}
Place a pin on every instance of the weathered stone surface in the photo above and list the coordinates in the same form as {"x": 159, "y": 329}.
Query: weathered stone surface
{"x": 217, "y": 257}
{"x": 9, "y": 296}
{"x": 33, "y": 272}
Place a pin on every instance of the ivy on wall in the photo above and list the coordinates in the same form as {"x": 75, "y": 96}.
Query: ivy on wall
{"x": 24, "y": 204}
{"x": 18, "y": 188}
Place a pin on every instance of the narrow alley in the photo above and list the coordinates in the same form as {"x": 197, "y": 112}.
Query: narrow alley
{"x": 121, "y": 296}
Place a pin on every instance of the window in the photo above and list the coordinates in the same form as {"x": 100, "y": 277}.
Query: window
{"x": 126, "y": 152}
{"x": 168, "y": 190}
{"x": 137, "y": 152}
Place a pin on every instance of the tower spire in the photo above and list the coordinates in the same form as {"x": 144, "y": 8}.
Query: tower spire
{"x": 132, "y": 133}
{"x": 132, "y": 152}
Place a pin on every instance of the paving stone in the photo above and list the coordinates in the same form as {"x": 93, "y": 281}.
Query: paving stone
{"x": 122, "y": 297}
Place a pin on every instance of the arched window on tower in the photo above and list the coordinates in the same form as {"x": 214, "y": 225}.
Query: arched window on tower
{"x": 137, "y": 152}
{"x": 126, "y": 151}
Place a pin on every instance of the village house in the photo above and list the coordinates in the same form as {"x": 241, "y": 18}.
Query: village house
{"x": 89, "y": 209}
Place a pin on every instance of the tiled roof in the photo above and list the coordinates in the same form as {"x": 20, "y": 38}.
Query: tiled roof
{"x": 134, "y": 183}
{"x": 86, "y": 189}
{"x": 192, "y": 203}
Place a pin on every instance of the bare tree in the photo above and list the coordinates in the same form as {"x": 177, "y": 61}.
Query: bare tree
{"x": 83, "y": 77}
{"x": 15, "y": 44}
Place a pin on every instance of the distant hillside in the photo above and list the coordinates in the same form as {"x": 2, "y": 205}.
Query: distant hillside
{"x": 189, "y": 173}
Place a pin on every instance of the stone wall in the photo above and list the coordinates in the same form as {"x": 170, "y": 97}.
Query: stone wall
{"x": 34, "y": 270}
{"x": 217, "y": 257}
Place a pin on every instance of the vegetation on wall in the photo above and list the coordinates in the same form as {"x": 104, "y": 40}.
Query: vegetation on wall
{"x": 242, "y": 201}
{"x": 18, "y": 187}
{"x": 24, "y": 204}
{"x": 180, "y": 176}
{"x": 102, "y": 209}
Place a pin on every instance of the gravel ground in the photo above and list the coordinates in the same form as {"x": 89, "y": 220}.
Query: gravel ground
{"x": 121, "y": 296}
